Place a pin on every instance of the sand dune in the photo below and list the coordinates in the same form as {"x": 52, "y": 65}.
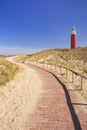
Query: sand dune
{"x": 19, "y": 98}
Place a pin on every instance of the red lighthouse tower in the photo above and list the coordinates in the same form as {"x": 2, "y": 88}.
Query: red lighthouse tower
{"x": 73, "y": 38}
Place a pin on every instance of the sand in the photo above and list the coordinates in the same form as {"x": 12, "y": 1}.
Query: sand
{"x": 18, "y": 98}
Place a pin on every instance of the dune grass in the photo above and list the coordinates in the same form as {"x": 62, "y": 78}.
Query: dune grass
{"x": 75, "y": 59}
{"x": 7, "y": 70}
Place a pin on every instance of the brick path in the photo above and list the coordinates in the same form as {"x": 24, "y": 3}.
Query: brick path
{"x": 58, "y": 108}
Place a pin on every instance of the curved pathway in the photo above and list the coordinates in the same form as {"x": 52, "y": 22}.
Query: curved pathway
{"x": 37, "y": 100}
{"x": 58, "y": 108}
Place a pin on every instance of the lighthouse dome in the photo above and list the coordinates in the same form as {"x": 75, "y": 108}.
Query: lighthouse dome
{"x": 73, "y": 30}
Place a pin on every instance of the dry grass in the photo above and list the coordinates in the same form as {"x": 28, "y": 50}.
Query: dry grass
{"x": 7, "y": 70}
{"x": 75, "y": 59}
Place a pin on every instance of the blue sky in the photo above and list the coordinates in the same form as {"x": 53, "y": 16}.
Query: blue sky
{"x": 33, "y": 25}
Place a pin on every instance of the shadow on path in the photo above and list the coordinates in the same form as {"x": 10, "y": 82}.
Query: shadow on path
{"x": 75, "y": 119}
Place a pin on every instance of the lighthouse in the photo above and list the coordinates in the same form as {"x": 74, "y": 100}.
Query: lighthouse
{"x": 73, "y": 38}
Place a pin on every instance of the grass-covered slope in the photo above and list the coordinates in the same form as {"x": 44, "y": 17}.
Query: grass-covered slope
{"x": 75, "y": 59}
{"x": 7, "y": 70}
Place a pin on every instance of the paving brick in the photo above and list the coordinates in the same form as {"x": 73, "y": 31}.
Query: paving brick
{"x": 56, "y": 109}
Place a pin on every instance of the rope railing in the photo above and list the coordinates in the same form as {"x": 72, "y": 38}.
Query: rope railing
{"x": 61, "y": 68}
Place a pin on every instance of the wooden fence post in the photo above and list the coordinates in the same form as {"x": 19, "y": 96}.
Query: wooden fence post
{"x": 55, "y": 67}
{"x": 66, "y": 72}
{"x": 72, "y": 77}
{"x": 51, "y": 66}
{"x": 46, "y": 65}
{"x": 43, "y": 64}
{"x": 81, "y": 83}
{"x": 60, "y": 70}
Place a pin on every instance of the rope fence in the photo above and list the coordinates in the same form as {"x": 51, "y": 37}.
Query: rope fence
{"x": 64, "y": 71}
